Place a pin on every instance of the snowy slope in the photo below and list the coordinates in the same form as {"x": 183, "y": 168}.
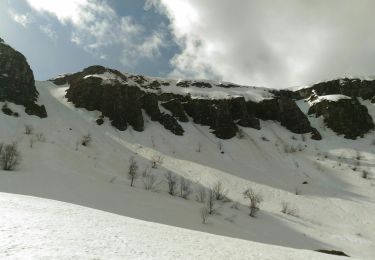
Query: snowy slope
{"x": 34, "y": 228}
{"x": 336, "y": 207}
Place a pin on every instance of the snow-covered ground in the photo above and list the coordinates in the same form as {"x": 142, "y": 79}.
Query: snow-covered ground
{"x": 34, "y": 228}
{"x": 334, "y": 209}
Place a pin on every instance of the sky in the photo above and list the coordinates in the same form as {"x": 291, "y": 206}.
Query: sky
{"x": 271, "y": 43}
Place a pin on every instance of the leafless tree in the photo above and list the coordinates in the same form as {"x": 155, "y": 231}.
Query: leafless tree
{"x": 201, "y": 195}
{"x": 255, "y": 200}
{"x": 185, "y": 188}
{"x": 10, "y": 157}
{"x": 204, "y": 212}
{"x": 149, "y": 180}
{"x": 172, "y": 183}
{"x": 29, "y": 129}
{"x": 219, "y": 191}
{"x": 133, "y": 171}
{"x": 156, "y": 160}
{"x": 211, "y": 202}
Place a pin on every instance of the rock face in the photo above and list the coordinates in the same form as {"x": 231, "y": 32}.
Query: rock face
{"x": 17, "y": 83}
{"x": 123, "y": 98}
{"x": 344, "y": 116}
{"x": 352, "y": 87}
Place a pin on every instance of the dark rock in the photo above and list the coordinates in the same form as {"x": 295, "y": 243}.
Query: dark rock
{"x": 240, "y": 113}
{"x": 170, "y": 123}
{"x": 345, "y": 116}
{"x": 349, "y": 87}
{"x": 284, "y": 110}
{"x": 151, "y": 105}
{"x": 332, "y": 252}
{"x": 121, "y": 103}
{"x": 177, "y": 109}
{"x": 17, "y": 84}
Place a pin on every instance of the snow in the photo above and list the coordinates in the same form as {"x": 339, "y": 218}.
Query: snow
{"x": 37, "y": 228}
{"x": 255, "y": 94}
{"x": 107, "y": 77}
{"x": 336, "y": 208}
{"x": 330, "y": 98}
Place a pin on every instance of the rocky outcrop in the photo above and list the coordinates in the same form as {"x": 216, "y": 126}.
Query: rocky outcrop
{"x": 123, "y": 97}
{"x": 17, "y": 83}
{"x": 344, "y": 116}
{"x": 352, "y": 87}
{"x": 284, "y": 110}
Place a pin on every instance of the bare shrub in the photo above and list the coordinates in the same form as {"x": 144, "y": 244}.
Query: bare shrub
{"x": 201, "y": 195}
{"x": 289, "y": 149}
{"x": 185, "y": 188}
{"x": 156, "y": 160}
{"x": 29, "y": 129}
{"x": 235, "y": 205}
{"x": 10, "y": 157}
{"x": 220, "y": 146}
{"x": 133, "y": 171}
{"x": 219, "y": 191}
{"x": 31, "y": 141}
{"x": 149, "y": 181}
{"x": 286, "y": 208}
{"x": 204, "y": 213}
{"x": 199, "y": 148}
{"x": 86, "y": 139}
{"x": 40, "y": 137}
{"x": 365, "y": 174}
{"x": 172, "y": 183}
{"x": 211, "y": 202}
{"x": 255, "y": 198}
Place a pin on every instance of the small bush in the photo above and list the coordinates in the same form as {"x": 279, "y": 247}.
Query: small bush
{"x": 211, "y": 202}
{"x": 86, "y": 139}
{"x": 156, "y": 160}
{"x": 219, "y": 191}
{"x": 255, "y": 201}
{"x": 133, "y": 171}
{"x": 201, "y": 195}
{"x": 149, "y": 181}
{"x": 40, "y": 137}
{"x": 204, "y": 213}
{"x": 172, "y": 183}
{"x": 365, "y": 174}
{"x": 10, "y": 157}
{"x": 286, "y": 208}
{"x": 29, "y": 129}
{"x": 185, "y": 188}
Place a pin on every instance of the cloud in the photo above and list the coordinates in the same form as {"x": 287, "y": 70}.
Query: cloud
{"x": 22, "y": 19}
{"x": 96, "y": 27}
{"x": 274, "y": 43}
{"x": 47, "y": 29}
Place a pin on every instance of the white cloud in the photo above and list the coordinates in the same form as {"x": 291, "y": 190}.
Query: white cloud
{"x": 22, "y": 19}
{"x": 271, "y": 42}
{"x": 47, "y": 29}
{"x": 96, "y": 26}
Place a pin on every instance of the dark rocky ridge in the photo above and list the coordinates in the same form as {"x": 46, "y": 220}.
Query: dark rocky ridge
{"x": 122, "y": 99}
{"x": 17, "y": 84}
{"x": 344, "y": 116}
